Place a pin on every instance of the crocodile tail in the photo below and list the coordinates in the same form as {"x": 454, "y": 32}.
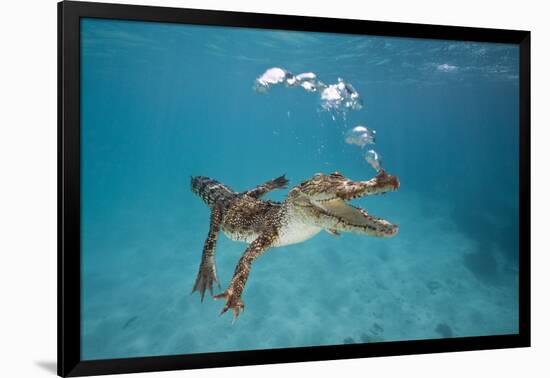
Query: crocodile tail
{"x": 210, "y": 190}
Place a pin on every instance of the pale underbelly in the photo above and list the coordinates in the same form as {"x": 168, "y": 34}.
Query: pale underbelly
{"x": 293, "y": 234}
{"x": 247, "y": 237}
{"x": 289, "y": 234}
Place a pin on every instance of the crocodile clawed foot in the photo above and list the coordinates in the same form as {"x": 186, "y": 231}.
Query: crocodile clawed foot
{"x": 205, "y": 279}
{"x": 232, "y": 301}
{"x": 280, "y": 182}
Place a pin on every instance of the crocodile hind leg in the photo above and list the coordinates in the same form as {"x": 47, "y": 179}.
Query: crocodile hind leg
{"x": 207, "y": 271}
{"x": 232, "y": 294}
{"x": 277, "y": 183}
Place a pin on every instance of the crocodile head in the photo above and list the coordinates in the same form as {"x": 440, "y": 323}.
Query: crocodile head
{"x": 322, "y": 201}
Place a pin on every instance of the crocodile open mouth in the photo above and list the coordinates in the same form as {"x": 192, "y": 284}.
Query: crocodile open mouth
{"x": 327, "y": 197}
{"x": 347, "y": 217}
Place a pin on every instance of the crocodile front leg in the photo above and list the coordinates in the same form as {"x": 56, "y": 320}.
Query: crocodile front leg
{"x": 277, "y": 183}
{"x": 207, "y": 271}
{"x": 232, "y": 294}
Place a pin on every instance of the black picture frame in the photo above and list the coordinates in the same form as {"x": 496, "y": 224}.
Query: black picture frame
{"x": 69, "y": 337}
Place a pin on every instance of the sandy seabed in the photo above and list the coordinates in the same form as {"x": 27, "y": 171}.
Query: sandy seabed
{"x": 430, "y": 281}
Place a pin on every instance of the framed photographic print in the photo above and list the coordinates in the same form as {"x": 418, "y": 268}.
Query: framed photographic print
{"x": 239, "y": 188}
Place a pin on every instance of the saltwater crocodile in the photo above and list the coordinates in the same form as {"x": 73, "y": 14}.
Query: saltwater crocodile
{"x": 316, "y": 204}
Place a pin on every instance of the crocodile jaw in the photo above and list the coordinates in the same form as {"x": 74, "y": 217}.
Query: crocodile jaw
{"x": 321, "y": 201}
{"x": 335, "y": 186}
{"x": 337, "y": 215}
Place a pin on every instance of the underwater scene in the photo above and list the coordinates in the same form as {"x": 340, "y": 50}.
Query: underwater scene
{"x": 344, "y": 189}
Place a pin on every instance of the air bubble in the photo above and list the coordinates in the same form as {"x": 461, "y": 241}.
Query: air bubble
{"x": 338, "y": 97}
{"x": 374, "y": 159}
{"x": 360, "y": 136}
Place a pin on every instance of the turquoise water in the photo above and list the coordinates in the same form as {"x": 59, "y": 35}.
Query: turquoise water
{"x": 163, "y": 102}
